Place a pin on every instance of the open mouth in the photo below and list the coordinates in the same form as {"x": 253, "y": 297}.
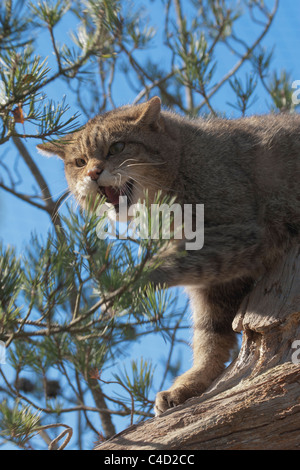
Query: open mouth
{"x": 113, "y": 194}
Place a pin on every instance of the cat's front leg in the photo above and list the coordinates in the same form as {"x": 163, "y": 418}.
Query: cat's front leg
{"x": 186, "y": 386}
{"x": 213, "y": 312}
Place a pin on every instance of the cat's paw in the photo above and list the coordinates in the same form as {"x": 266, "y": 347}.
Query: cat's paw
{"x": 171, "y": 398}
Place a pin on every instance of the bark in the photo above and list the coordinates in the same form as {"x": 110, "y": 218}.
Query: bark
{"x": 106, "y": 421}
{"x": 255, "y": 403}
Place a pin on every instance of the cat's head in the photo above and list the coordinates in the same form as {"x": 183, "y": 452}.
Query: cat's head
{"x": 122, "y": 152}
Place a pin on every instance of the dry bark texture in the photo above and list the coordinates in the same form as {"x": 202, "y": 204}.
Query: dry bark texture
{"x": 255, "y": 404}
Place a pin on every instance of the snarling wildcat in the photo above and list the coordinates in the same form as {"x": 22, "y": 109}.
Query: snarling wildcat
{"x": 244, "y": 171}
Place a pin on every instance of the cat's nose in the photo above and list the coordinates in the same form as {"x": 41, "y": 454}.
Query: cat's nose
{"x": 94, "y": 173}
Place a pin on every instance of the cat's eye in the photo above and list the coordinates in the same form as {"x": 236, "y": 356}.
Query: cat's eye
{"x": 80, "y": 162}
{"x": 116, "y": 148}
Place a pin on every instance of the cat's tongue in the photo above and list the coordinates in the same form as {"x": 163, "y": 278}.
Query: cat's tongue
{"x": 113, "y": 194}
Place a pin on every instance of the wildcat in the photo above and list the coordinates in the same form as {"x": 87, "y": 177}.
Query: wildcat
{"x": 244, "y": 171}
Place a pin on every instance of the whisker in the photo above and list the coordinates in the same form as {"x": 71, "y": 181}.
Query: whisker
{"x": 145, "y": 183}
{"x": 141, "y": 185}
{"x": 61, "y": 205}
{"x": 128, "y": 160}
{"x": 145, "y": 164}
{"x": 60, "y": 201}
{"x": 149, "y": 184}
{"x": 77, "y": 205}
{"x": 53, "y": 196}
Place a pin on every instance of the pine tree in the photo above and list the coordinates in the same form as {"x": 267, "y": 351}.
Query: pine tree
{"x": 72, "y": 305}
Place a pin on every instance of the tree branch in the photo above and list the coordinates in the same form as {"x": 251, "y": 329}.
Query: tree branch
{"x": 254, "y": 404}
{"x": 50, "y": 205}
{"x": 183, "y": 34}
{"x": 244, "y": 57}
{"x": 262, "y": 414}
{"x": 99, "y": 399}
{"x": 23, "y": 197}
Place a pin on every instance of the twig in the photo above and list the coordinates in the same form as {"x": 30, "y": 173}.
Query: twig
{"x": 243, "y": 58}
{"x": 182, "y": 32}
{"x": 68, "y": 431}
{"x": 175, "y": 71}
{"x": 23, "y": 197}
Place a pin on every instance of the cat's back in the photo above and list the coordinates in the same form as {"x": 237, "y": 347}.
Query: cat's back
{"x": 266, "y": 146}
{"x": 272, "y": 130}
{"x": 277, "y": 156}
{"x": 260, "y": 131}
{"x": 273, "y": 155}
{"x": 253, "y": 161}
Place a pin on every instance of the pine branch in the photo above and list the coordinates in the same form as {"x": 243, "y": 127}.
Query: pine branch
{"x": 244, "y": 58}
{"x": 50, "y": 205}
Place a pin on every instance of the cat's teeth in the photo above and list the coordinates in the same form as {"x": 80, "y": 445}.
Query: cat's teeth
{"x": 112, "y": 195}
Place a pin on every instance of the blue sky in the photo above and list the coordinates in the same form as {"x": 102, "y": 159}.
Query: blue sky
{"x": 19, "y": 220}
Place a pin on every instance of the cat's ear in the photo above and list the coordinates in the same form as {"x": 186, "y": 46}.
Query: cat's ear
{"x": 49, "y": 149}
{"x": 150, "y": 113}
